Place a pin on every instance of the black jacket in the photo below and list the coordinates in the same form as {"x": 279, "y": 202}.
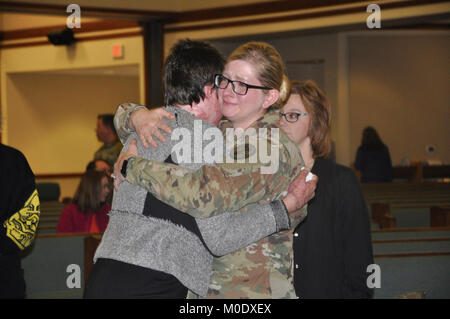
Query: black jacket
{"x": 332, "y": 247}
{"x": 19, "y": 210}
{"x": 16, "y": 186}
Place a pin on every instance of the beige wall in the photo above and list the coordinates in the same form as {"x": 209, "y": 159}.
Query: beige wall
{"x": 399, "y": 83}
{"x": 43, "y": 113}
{"x": 52, "y": 117}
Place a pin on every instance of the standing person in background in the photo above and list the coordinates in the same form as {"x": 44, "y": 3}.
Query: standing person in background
{"x": 332, "y": 246}
{"x": 373, "y": 159}
{"x": 88, "y": 211}
{"x": 19, "y": 218}
{"x": 106, "y": 133}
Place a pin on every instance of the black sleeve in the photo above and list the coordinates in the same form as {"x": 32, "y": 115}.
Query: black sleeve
{"x": 359, "y": 159}
{"x": 357, "y": 238}
{"x": 17, "y": 185}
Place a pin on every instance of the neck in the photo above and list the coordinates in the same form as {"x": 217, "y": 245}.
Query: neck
{"x": 244, "y": 124}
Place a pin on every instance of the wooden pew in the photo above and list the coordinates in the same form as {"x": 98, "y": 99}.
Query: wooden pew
{"x": 413, "y": 260}
{"x": 409, "y": 274}
{"x": 435, "y": 216}
{"x": 46, "y": 262}
{"x": 381, "y": 215}
{"x": 50, "y": 213}
{"x": 406, "y": 195}
{"x": 440, "y": 216}
{"x": 419, "y": 172}
{"x": 384, "y": 199}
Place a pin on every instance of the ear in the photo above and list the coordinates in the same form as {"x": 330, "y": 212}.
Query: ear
{"x": 271, "y": 97}
{"x": 208, "y": 89}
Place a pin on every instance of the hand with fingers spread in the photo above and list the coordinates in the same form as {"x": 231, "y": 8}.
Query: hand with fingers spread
{"x": 148, "y": 123}
{"x": 132, "y": 151}
{"x": 300, "y": 191}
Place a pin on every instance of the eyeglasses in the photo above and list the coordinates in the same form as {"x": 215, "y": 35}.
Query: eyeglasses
{"x": 239, "y": 87}
{"x": 292, "y": 117}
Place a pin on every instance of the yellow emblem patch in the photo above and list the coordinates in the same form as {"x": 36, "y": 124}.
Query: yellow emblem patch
{"x": 21, "y": 227}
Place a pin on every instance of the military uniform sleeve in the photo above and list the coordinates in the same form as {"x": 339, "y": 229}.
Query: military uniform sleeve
{"x": 213, "y": 189}
{"x": 229, "y": 232}
{"x": 298, "y": 216}
{"x": 122, "y": 117}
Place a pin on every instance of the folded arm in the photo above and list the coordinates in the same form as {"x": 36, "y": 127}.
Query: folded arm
{"x": 131, "y": 117}
{"x": 229, "y": 232}
{"x": 213, "y": 188}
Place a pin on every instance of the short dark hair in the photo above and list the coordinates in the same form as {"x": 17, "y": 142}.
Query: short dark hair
{"x": 108, "y": 121}
{"x": 189, "y": 67}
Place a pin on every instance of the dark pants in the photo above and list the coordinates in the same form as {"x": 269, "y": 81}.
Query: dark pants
{"x": 114, "y": 279}
{"x": 12, "y": 284}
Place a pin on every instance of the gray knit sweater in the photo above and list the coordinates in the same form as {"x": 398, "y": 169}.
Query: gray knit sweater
{"x": 162, "y": 245}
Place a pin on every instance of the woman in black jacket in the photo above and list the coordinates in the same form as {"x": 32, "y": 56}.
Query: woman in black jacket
{"x": 332, "y": 247}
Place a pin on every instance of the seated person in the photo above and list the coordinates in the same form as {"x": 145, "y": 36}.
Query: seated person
{"x": 100, "y": 166}
{"x": 88, "y": 211}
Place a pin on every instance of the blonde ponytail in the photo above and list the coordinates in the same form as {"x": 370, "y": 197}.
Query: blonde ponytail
{"x": 285, "y": 92}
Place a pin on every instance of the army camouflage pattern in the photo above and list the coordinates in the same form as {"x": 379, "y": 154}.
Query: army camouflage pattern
{"x": 121, "y": 119}
{"x": 263, "y": 269}
{"x": 225, "y": 186}
{"x": 109, "y": 152}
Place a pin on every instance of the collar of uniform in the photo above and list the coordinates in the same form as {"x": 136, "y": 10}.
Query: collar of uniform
{"x": 269, "y": 119}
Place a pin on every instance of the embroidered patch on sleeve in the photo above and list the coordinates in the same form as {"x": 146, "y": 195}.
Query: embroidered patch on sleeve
{"x": 21, "y": 227}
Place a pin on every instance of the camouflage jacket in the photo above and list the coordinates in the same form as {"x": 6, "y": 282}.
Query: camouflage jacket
{"x": 109, "y": 152}
{"x": 263, "y": 269}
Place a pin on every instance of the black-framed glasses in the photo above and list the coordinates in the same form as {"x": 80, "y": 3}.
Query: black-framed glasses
{"x": 292, "y": 117}
{"x": 239, "y": 87}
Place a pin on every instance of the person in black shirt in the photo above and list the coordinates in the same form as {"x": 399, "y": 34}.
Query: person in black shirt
{"x": 373, "y": 158}
{"x": 332, "y": 247}
{"x": 19, "y": 217}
